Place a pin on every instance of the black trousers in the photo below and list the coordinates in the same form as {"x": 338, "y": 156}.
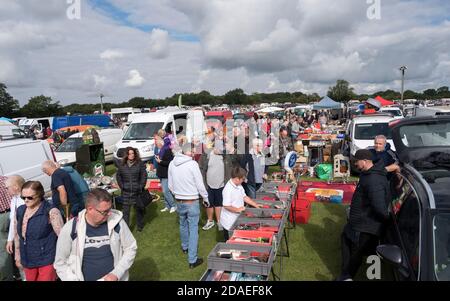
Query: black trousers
{"x": 140, "y": 212}
{"x": 354, "y": 247}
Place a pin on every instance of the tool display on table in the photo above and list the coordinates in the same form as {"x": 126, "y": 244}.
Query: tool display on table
{"x": 243, "y": 255}
{"x": 263, "y": 214}
{"x": 255, "y": 226}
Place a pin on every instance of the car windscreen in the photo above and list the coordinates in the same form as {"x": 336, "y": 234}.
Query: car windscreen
{"x": 70, "y": 145}
{"x": 393, "y": 112}
{"x": 441, "y": 244}
{"x": 368, "y": 131}
{"x": 142, "y": 131}
{"x": 426, "y": 135}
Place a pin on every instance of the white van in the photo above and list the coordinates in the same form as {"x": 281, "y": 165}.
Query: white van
{"x": 26, "y": 124}
{"x": 24, "y": 157}
{"x": 362, "y": 130}
{"x": 66, "y": 152}
{"x": 140, "y": 133}
{"x": 10, "y": 131}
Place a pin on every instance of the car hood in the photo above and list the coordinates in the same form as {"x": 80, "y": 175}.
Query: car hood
{"x": 410, "y": 145}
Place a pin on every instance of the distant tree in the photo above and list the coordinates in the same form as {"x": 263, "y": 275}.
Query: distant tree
{"x": 341, "y": 92}
{"x": 41, "y": 106}
{"x": 236, "y": 96}
{"x": 430, "y": 93}
{"x": 8, "y": 105}
{"x": 138, "y": 102}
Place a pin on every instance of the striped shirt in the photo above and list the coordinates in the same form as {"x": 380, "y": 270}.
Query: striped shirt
{"x": 5, "y": 197}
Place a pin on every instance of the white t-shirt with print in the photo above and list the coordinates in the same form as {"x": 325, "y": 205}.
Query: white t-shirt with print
{"x": 233, "y": 196}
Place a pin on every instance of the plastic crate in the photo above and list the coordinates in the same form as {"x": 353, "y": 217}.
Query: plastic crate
{"x": 241, "y": 266}
{"x": 310, "y": 196}
{"x": 264, "y": 213}
{"x": 251, "y": 235}
{"x": 301, "y": 214}
{"x": 272, "y": 225}
{"x": 216, "y": 275}
{"x": 272, "y": 204}
{"x": 155, "y": 185}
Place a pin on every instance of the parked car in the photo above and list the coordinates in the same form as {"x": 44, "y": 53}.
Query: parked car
{"x": 24, "y": 157}
{"x": 66, "y": 152}
{"x": 417, "y": 241}
{"x": 395, "y": 111}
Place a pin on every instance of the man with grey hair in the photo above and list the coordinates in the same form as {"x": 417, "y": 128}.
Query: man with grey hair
{"x": 63, "y": 192}
{"x": 254, "y": 163}
{"x": 96, "y": 245}
{"x": 186, "y": 183}
{"x": 382, "y": 151}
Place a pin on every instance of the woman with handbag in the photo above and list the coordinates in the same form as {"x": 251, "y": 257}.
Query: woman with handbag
{"x": 132, "y": 177}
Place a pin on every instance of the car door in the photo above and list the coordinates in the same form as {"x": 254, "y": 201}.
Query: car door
{"x": 404, "y": 229}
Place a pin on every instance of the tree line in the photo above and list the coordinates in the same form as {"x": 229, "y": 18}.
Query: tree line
{"x": 41, "y": 106}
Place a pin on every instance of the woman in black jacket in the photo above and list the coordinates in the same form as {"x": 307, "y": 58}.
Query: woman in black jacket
{"x": 132, "y": 177}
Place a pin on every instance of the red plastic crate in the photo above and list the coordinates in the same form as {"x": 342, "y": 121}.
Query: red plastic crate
{"x": 310, "y": 196}
{"x": 155, "y": 186}
{"x": 251, "y": 235}
{"x": 284, "y": 188}
{"x": 301, "y": 211}
{"x": 268, "y": 198}
{"x": 301, "y": 216}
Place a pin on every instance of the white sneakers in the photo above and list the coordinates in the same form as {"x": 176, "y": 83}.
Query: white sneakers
{"x": 208, "y": 225}
{"x": 171, "y": 210}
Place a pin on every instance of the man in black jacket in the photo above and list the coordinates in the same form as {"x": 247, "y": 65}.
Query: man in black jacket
{"x": 368, "y": 214}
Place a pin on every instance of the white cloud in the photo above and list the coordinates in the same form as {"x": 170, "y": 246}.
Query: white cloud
{"x": 299, "y": 45}
{"x": 135, "y": 79}
{"x": 159, "y": 44}
{"x": 111, "y": 54}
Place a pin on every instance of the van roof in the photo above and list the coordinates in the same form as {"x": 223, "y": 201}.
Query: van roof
{"x": 374, "y": 118}
{"x": 160, "y": 116}
{"x": 6, "y": 143}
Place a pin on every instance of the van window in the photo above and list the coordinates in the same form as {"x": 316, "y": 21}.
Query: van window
{"x": 70, "y": 145}
{"x": 142, "y": 131}
{"x": 393, "y": 112}
{"x": 368, "y": 131}
{"x": 426, "y": 135}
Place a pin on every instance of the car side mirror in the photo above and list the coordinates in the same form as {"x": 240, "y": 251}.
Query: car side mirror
{"x": 392, "y": 254}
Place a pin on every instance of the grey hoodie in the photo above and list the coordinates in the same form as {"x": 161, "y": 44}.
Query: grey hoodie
{"x": 185, "y": 179}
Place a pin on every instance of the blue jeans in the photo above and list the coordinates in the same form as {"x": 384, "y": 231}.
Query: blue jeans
{"x": 251, "y": 189}
{"x": 168, "y": 197}
{"x": 189, "y": 216}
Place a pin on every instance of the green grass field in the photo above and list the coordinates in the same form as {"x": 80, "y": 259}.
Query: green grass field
{"x": 314, "y": 248}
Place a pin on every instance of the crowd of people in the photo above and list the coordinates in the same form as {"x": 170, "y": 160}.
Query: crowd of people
{"x": 79, "y": 236}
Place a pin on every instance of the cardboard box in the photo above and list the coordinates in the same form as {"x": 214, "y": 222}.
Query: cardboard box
{"x": 302, "y": 159}
{"x": 299, "y": 147}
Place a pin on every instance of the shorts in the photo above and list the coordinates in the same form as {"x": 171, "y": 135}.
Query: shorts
{"x": 215, "y": 197}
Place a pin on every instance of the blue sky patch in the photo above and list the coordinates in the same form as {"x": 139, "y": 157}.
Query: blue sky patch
{"x": 122, "y": 17}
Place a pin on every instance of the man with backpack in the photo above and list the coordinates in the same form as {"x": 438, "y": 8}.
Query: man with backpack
{"x": 96, "y": 245}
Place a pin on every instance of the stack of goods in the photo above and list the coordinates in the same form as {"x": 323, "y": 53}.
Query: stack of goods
{"x": 252, "y": 247}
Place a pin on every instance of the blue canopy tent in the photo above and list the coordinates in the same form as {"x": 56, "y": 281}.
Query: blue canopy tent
{"x": 6, "y": 119}
{"x": 327, "y": 103}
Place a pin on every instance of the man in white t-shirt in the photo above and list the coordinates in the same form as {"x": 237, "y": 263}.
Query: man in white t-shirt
{"x": 234, "y": 198}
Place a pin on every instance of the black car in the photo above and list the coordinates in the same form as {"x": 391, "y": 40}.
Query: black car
{"x": 416, "y": 245}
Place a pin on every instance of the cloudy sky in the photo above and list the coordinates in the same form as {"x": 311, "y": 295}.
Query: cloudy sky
{"x": 155, "y": 48}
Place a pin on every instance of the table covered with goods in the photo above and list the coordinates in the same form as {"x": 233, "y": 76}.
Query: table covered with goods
{"x": 256, "y": 240}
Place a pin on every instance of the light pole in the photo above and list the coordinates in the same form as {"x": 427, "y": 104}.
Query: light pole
{"x": 101, "y": 103}
{"x": 403, "y": 69}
